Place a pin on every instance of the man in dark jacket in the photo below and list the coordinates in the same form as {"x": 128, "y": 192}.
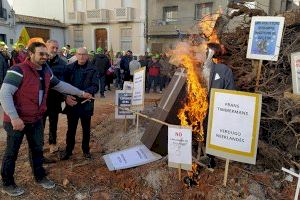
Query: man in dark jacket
{"x": 54, "y": 99}
{"x": 102, "y": 64}
{"x": 23, "y": 97}
{"x": 83, "y": 75}
{"x": 124, "y": 65}
{"x": 3, "y": 63}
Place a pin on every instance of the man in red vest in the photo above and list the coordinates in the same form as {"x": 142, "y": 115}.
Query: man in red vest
{"x": 23, "y": 97}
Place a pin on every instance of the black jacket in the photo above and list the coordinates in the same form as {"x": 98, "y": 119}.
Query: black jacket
{"x": 3, "y": 68}
{"x": 102, "y": 63}
{"x": 54, "y": 99}
{"x": 85, "y": 78}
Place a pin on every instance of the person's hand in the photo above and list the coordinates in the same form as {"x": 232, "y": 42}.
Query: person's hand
{"x": 87, "y": 95}
{"x": 71, "y": 101}
{"x": 18, "y": 124}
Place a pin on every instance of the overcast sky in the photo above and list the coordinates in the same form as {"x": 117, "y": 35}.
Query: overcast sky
{"x": 40, "y": 8}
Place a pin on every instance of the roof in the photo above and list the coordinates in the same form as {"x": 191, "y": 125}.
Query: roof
{"x": 39, "y": 21}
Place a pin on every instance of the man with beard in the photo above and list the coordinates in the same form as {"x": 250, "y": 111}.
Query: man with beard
{"x": 54, "y": 99}
{"x": 23, "y": 97}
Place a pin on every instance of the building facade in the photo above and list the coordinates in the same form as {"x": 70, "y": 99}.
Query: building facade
{"x": 7, "y": 23}
{"x": 171, "y": 20}
{"x": 116, "y": 25}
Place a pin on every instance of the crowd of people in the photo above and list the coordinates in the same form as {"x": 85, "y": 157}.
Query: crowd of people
{"x": 36, "y": 79}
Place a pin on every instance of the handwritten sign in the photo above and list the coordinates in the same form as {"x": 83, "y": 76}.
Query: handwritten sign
{"x": 180, "y": 147}
{"x": 265, "y": 38}
{"x": 138, "y": 94}
{"x": 295, "y": 65}
{"x": 132, "y": 157}
{"x": 233, "y": 126}
{"x": 123, "y": 100}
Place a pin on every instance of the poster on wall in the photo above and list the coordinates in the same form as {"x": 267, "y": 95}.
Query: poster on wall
{"x": 265, "y": 38}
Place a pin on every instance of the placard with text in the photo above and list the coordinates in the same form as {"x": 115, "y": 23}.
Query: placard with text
{"x": 233, "y": 125}
{"x": 295, "y": 65}
{"x": 265, "y": 37}
{"x": 123, "y": 100}
{"x": 180, "y": 147}
{"x": 138, "y": 94}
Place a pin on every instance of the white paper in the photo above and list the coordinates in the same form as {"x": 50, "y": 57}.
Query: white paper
{"x": 180, "y": 145}
{"x": 134, "y": 156}
{"x": 138, "y": 89}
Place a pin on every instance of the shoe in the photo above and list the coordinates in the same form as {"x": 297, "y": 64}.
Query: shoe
{"x": 102, "y": 96}
{"x": 65, "y": 156}
{"x": 53, "y": 148}
{"x": 160, "y": 92}
{"x": 46, "y": 183}
{"x": 12, "y": 190}
{"x": 87, "y": 155}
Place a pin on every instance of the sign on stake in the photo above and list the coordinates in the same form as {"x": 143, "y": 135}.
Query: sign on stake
{"x": 298, "y": 184}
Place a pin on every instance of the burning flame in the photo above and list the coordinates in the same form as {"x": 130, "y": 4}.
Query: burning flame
{"x": 191, "y": 57}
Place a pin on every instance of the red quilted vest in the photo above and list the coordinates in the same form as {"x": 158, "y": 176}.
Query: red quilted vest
{"x": 26, "y": 98}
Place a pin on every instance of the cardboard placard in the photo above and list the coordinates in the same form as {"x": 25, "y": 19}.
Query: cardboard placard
{"x": 233, "y": 126}
{"x": 128, "y": 86}
{"x": 295, "y": 65}
{"x": 123, "y": 100}
{"x": 131, "y": 157}
{"x": 138, "y": 94}
{"x": 180, "y": 147}
{"x": 265, "y": 38}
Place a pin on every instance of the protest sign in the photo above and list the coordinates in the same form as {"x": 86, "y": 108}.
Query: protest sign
{"x": 180, "y": 147}
{"x": 295, "y": 65}
{"x": 265, "y": 38}
{"x": 138, "y": 94}
{"x": 128, "y": 86}
{"x": 123, "y": 100}
{"x": 233, "y": 126}
{"x": 132, "y": 157}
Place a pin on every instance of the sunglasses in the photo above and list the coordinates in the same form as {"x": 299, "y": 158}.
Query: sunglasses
{"x": 43, "y": 54}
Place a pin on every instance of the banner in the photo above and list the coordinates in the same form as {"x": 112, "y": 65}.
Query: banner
{"x": 24, "y": 37}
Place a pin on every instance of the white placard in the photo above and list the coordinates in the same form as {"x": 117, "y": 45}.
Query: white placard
{"x": 295, "y": 65}
{"x": 138, "y": 94}
{"x": 265, "y": 38}
{"x": 233, "y": 126}
{"x": 134, "y": 156}
{"x": 123, "y": 100}
{"x": 128, "y": 86}
{"x": 180, "y": 147}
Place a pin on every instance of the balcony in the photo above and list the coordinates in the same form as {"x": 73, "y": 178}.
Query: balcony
{"x": 124, "y": 14}
{"x": 76, "y": 17}
{"x": 171, "y": 26}
{"x": 97, "y": 16}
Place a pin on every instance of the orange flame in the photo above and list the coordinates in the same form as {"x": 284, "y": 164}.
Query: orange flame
{"x": 191, "y": 57}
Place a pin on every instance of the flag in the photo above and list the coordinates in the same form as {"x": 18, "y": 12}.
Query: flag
{"x": 24, "y": 37}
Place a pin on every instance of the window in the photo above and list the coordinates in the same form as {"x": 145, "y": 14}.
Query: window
{"x": 78, "y": 5}
{"x": 100, "y": 4}
{"x": 126, "y": 39}
{"x": 170, "y": 14}
{"x": 78, "y": 38}
{"x": 3, "y": 37}
{"x": 202, "y": 10}
{"x": 126, "y": 3}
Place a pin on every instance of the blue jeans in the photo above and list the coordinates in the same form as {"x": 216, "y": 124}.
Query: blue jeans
{"x": 154, "y": 79}
{"x": 35, "y": 138}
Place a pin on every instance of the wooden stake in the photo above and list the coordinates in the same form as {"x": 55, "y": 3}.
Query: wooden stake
{"x": 137, "y": 124}
{"x": 125, "y": 124}
{"x": 199, "y": 150}
{"x": 298, "y": 184}
{"x": 226, "y": 172}
{"x": 258, "y": 72}
{"x": 179, "y": 172}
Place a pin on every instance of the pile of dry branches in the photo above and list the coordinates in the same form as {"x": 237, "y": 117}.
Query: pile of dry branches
{"x": 280, "y": 118}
